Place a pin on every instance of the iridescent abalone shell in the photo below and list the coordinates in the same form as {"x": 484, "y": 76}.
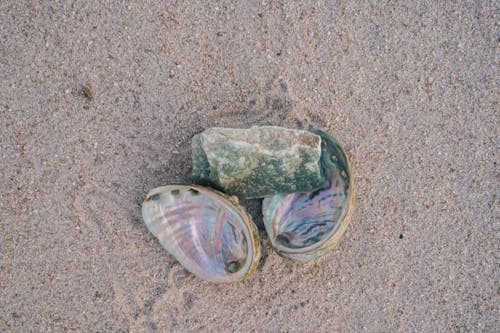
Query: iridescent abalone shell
{"x": 303, "y": 226}
{"x": 209, "y": 233}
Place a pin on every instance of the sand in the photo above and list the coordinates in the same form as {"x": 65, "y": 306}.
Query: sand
{"x": 410, "y": 89}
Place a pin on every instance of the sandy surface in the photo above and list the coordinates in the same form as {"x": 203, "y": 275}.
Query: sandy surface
{"x": 411, "y": 90}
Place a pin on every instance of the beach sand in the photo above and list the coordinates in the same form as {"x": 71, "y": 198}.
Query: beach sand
{"x": 99, "y": 102}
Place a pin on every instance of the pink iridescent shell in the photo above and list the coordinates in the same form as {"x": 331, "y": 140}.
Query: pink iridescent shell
{"x": 303, "y": 226}
{"x": 209, "y": 233}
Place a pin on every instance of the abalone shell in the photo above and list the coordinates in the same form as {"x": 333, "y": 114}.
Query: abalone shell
{"x": 209, "y": 233}
{"x": 303, "y": 226}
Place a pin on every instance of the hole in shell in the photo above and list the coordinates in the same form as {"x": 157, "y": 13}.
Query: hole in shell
{"x": 194, "y": 191}
{"x": 154, "y": 197}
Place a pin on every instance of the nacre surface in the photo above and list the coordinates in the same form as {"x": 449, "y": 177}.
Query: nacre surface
{"x": 209, "y": 233}
{"x": 303, "y": 226}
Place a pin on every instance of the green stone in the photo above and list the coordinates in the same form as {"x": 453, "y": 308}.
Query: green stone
{"x": 258, "y": 162}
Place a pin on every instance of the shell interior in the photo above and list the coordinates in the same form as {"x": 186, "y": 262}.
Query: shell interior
{"x": 305, "y": 225}
{"x": 206, "y": 231}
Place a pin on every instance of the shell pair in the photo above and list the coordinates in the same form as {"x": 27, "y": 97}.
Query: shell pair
{"x": 214, "y": 237}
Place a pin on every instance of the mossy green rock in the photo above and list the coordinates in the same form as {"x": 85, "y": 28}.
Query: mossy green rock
{"x": 258, "y": 162}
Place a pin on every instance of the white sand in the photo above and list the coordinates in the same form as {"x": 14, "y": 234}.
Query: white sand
{"x": 411, "y": 90}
